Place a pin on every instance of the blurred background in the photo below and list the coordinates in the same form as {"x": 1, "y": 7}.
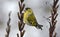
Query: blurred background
{"x": 40, "y": 8}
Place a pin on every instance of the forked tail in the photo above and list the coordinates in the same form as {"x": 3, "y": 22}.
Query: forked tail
{"x": 39, "y": 26}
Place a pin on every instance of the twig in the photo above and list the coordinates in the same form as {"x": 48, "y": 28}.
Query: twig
{"x": 55, "y": 35}
{"x": 17, "y": 35}
{"x": 53, "y": 20}
{"x": 21, "y": 24}
{"x": 8, "y": 26}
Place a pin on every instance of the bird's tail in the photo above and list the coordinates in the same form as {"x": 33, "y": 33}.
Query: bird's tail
{"x": 39, "y": 26}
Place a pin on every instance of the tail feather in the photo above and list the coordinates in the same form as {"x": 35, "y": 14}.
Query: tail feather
{"x": 39, "y": 26}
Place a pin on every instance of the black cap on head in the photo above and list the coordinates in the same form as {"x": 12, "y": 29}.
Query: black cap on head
{"x": 27, "y": 8}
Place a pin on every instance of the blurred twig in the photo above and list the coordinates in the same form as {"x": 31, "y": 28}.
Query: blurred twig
{"x": 53, "y": 20}
{"x": 8, "y": 26}
{"x": 20, "y": 16}
{"x": 17, "y": 35}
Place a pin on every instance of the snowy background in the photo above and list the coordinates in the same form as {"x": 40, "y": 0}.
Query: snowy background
{"x": 40, "y": 9}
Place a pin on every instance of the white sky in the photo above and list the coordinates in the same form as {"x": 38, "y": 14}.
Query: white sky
{"x": 39, "y": 8}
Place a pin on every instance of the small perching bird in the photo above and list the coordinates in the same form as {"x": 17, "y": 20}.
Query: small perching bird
{"x": 30, "y": 19}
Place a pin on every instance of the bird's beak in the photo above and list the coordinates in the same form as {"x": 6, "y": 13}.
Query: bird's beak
{"x": 24, "y": 10}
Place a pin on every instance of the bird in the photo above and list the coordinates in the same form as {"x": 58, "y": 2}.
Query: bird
{"x": 30, "y": 19}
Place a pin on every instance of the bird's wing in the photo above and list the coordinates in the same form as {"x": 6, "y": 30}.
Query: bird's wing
{"x": 32, "y": 20}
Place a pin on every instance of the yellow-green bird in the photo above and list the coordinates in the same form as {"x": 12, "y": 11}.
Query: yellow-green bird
{"x": 30, "y": 19}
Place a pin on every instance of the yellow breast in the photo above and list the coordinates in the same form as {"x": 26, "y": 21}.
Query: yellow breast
{"x": 25, "y": 17}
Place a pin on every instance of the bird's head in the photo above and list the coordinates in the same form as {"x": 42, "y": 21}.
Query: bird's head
{"x": 29, "y": 10}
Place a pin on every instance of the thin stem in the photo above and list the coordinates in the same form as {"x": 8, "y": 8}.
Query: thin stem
{"x": 21, "y": 24}
{"x": 53, "y": 21}
{"x": 8, "y": 26}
